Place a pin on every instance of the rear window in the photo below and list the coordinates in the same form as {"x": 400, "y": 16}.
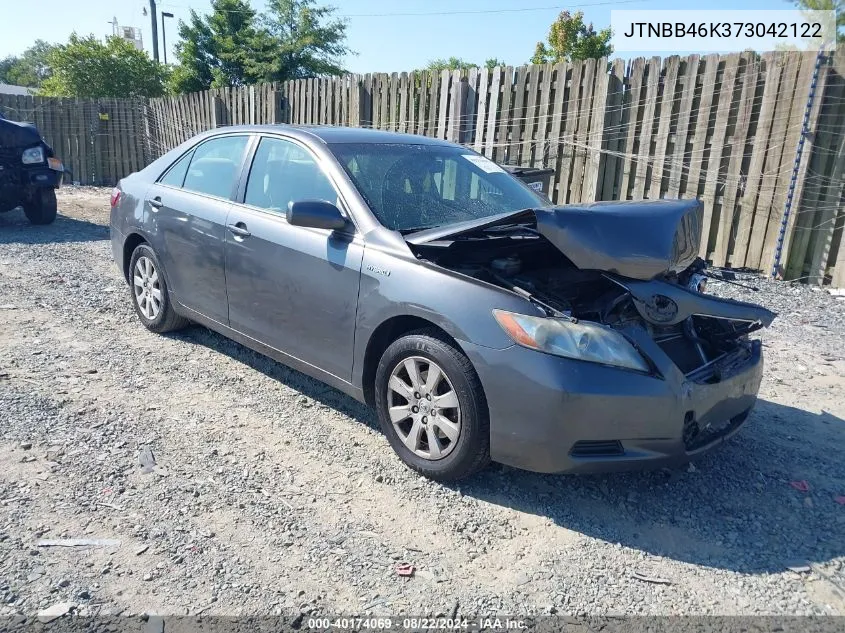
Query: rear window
{"x": 175, "y": 176}
{"x": 215, "y": 165}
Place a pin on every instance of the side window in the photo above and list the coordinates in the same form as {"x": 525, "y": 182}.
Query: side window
{"x": 283, "y": 172}
{"x": 214, "y": 166}
{"x": 176, "y": 175}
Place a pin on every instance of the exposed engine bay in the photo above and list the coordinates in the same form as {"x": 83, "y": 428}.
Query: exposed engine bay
{"x": 703, "y": 335}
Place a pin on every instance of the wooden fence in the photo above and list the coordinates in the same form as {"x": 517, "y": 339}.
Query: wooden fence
{"x": 721, "y": 128}
{"x": 99, "y": 140}
{"x": 173, "y": 120}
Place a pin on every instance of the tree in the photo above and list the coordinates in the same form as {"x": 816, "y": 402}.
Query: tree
{"x": 828, "y": 5}
{"x": 85, "y": 67}
{"x": 30, "y": 69}
{"x": 236, "y": 46}
{"x": 570, "y": 39}
{"x": 224, "y": 48}
{"x": 493, "y": 62}
{"x": 6, "y": 65}
{"x": 304, "y": 40}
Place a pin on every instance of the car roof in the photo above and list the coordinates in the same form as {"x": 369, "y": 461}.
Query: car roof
{"x": 335, "y": 134}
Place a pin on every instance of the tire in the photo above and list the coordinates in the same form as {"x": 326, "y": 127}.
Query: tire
{"x": 42, "y": 208}
{"x": 451, "y": 459}
{"x": 148, "y": 290}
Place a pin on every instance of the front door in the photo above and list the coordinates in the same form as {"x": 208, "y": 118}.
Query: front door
{"x": 187, "y": 212}
{"x": 292, "y": 288}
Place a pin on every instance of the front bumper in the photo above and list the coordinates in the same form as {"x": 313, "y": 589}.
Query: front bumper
{"x": 18, "y": 182}
{"x": 43, "y": 176}
{"x": 552, "y": 414}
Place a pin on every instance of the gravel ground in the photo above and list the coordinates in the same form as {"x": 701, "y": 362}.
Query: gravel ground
{"x": 270, "y": 493}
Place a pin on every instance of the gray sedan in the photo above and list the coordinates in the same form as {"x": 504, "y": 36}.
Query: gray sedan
{"x": 423, "y": 279}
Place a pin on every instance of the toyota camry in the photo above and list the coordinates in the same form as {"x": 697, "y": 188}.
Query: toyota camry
{"x": 479, "y": 321}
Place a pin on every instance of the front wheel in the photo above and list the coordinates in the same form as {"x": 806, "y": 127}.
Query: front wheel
{"x": 42, "y": 207}
{"x": 432, "y": 408}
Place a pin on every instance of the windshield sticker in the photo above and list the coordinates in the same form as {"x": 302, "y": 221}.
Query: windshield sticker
{"x": 483, "y": 163}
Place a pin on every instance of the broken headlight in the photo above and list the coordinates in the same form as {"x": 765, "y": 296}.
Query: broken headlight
{"x": 33, "y": 156}
{"x": 581, "y": 340}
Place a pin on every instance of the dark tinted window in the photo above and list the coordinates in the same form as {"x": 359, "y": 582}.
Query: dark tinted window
{"x": 176, "y": 176}
{"x": 214, "y": 166}
{"x": 412, "y": 187}
{"x": 284, "y": 172}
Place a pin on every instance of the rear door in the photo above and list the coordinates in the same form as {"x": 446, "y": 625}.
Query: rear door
{"x": 187, "y": 222}
{"x": 289, "y": 287}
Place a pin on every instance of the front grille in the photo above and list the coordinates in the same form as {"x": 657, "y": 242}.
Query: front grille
{"x": 9, "y": 167}
{"x": 597, "y": 448}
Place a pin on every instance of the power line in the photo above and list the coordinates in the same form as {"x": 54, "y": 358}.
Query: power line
{"x": 489, "y": 11}
{"x": 559, "y": 7}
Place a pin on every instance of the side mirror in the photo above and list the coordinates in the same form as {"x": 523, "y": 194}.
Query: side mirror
{"x": 317, "y": 214}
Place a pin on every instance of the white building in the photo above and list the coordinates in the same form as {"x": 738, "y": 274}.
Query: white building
{"x": 9, "y": 89}
{"x": 131, "y": 34}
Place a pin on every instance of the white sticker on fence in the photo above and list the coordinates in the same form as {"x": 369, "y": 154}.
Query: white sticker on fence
{"x": 483, "y": 163}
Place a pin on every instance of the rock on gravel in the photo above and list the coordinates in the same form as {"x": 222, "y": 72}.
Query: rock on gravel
{"x": 281, "y": 496}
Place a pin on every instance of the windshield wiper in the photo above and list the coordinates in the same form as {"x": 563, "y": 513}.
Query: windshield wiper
{"x": 417, "y": 229}
{"x": 507, "y": 228}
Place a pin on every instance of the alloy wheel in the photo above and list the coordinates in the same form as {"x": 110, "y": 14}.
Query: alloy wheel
{"x": 424, "y": 408}
{"x": 147, "y": 287}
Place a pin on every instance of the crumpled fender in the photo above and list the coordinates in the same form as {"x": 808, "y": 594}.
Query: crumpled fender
{"x": 664, "y": 303}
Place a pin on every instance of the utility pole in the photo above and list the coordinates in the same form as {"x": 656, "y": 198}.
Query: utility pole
{"x": 154, "y": 19}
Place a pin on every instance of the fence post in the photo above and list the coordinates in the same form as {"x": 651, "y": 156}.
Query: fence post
{"x": 280, "y": 107}
{"x": 216, "y": 111}
{"x": 805, "y": 132}
{"x": 359, "y": 113}
{"x": 457, "y": 108}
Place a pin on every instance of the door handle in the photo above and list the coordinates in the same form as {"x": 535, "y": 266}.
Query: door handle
{"x": 239, "y": 229}
{"x": 155, "y": 203}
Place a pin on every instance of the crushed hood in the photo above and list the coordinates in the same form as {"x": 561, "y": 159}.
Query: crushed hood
{"x": 14, "y": 134}
{"x": 638, "y": 240}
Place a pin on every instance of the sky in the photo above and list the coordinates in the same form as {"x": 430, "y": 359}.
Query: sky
{"x": 384, "y": 40}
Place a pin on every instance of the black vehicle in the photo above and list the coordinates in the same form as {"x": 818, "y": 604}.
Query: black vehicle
{"x": 29, "y": 172}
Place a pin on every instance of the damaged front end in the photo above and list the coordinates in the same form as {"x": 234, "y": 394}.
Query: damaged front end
{"x": 625, "y": 266}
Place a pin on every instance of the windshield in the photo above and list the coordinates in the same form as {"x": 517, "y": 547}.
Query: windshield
{"x": 415, "y": 187}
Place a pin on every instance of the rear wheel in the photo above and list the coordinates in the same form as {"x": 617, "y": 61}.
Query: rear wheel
{"x": 42, "y": 207}
{"x": 149, "y": 292}
{"x": 432, "y": 408}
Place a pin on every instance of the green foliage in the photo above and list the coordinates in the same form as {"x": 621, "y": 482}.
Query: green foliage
{"x": 828, "y": 5}
{"x": 452, "y": 63}
{"x": 570, "y": 39}
{"x": 85, "y": 67}
{"x": 234, "y": 45}
{"x": 304, "y": 40}
{"x": 219, "y": 49}
{"x": 458, "y": 63}
{"x": 30, "y": 69}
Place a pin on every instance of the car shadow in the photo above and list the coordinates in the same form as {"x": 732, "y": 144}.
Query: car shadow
{"x": 307, "y": 386}
{"x": 16, "y": 229}
{"x": 735, "y": 509}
